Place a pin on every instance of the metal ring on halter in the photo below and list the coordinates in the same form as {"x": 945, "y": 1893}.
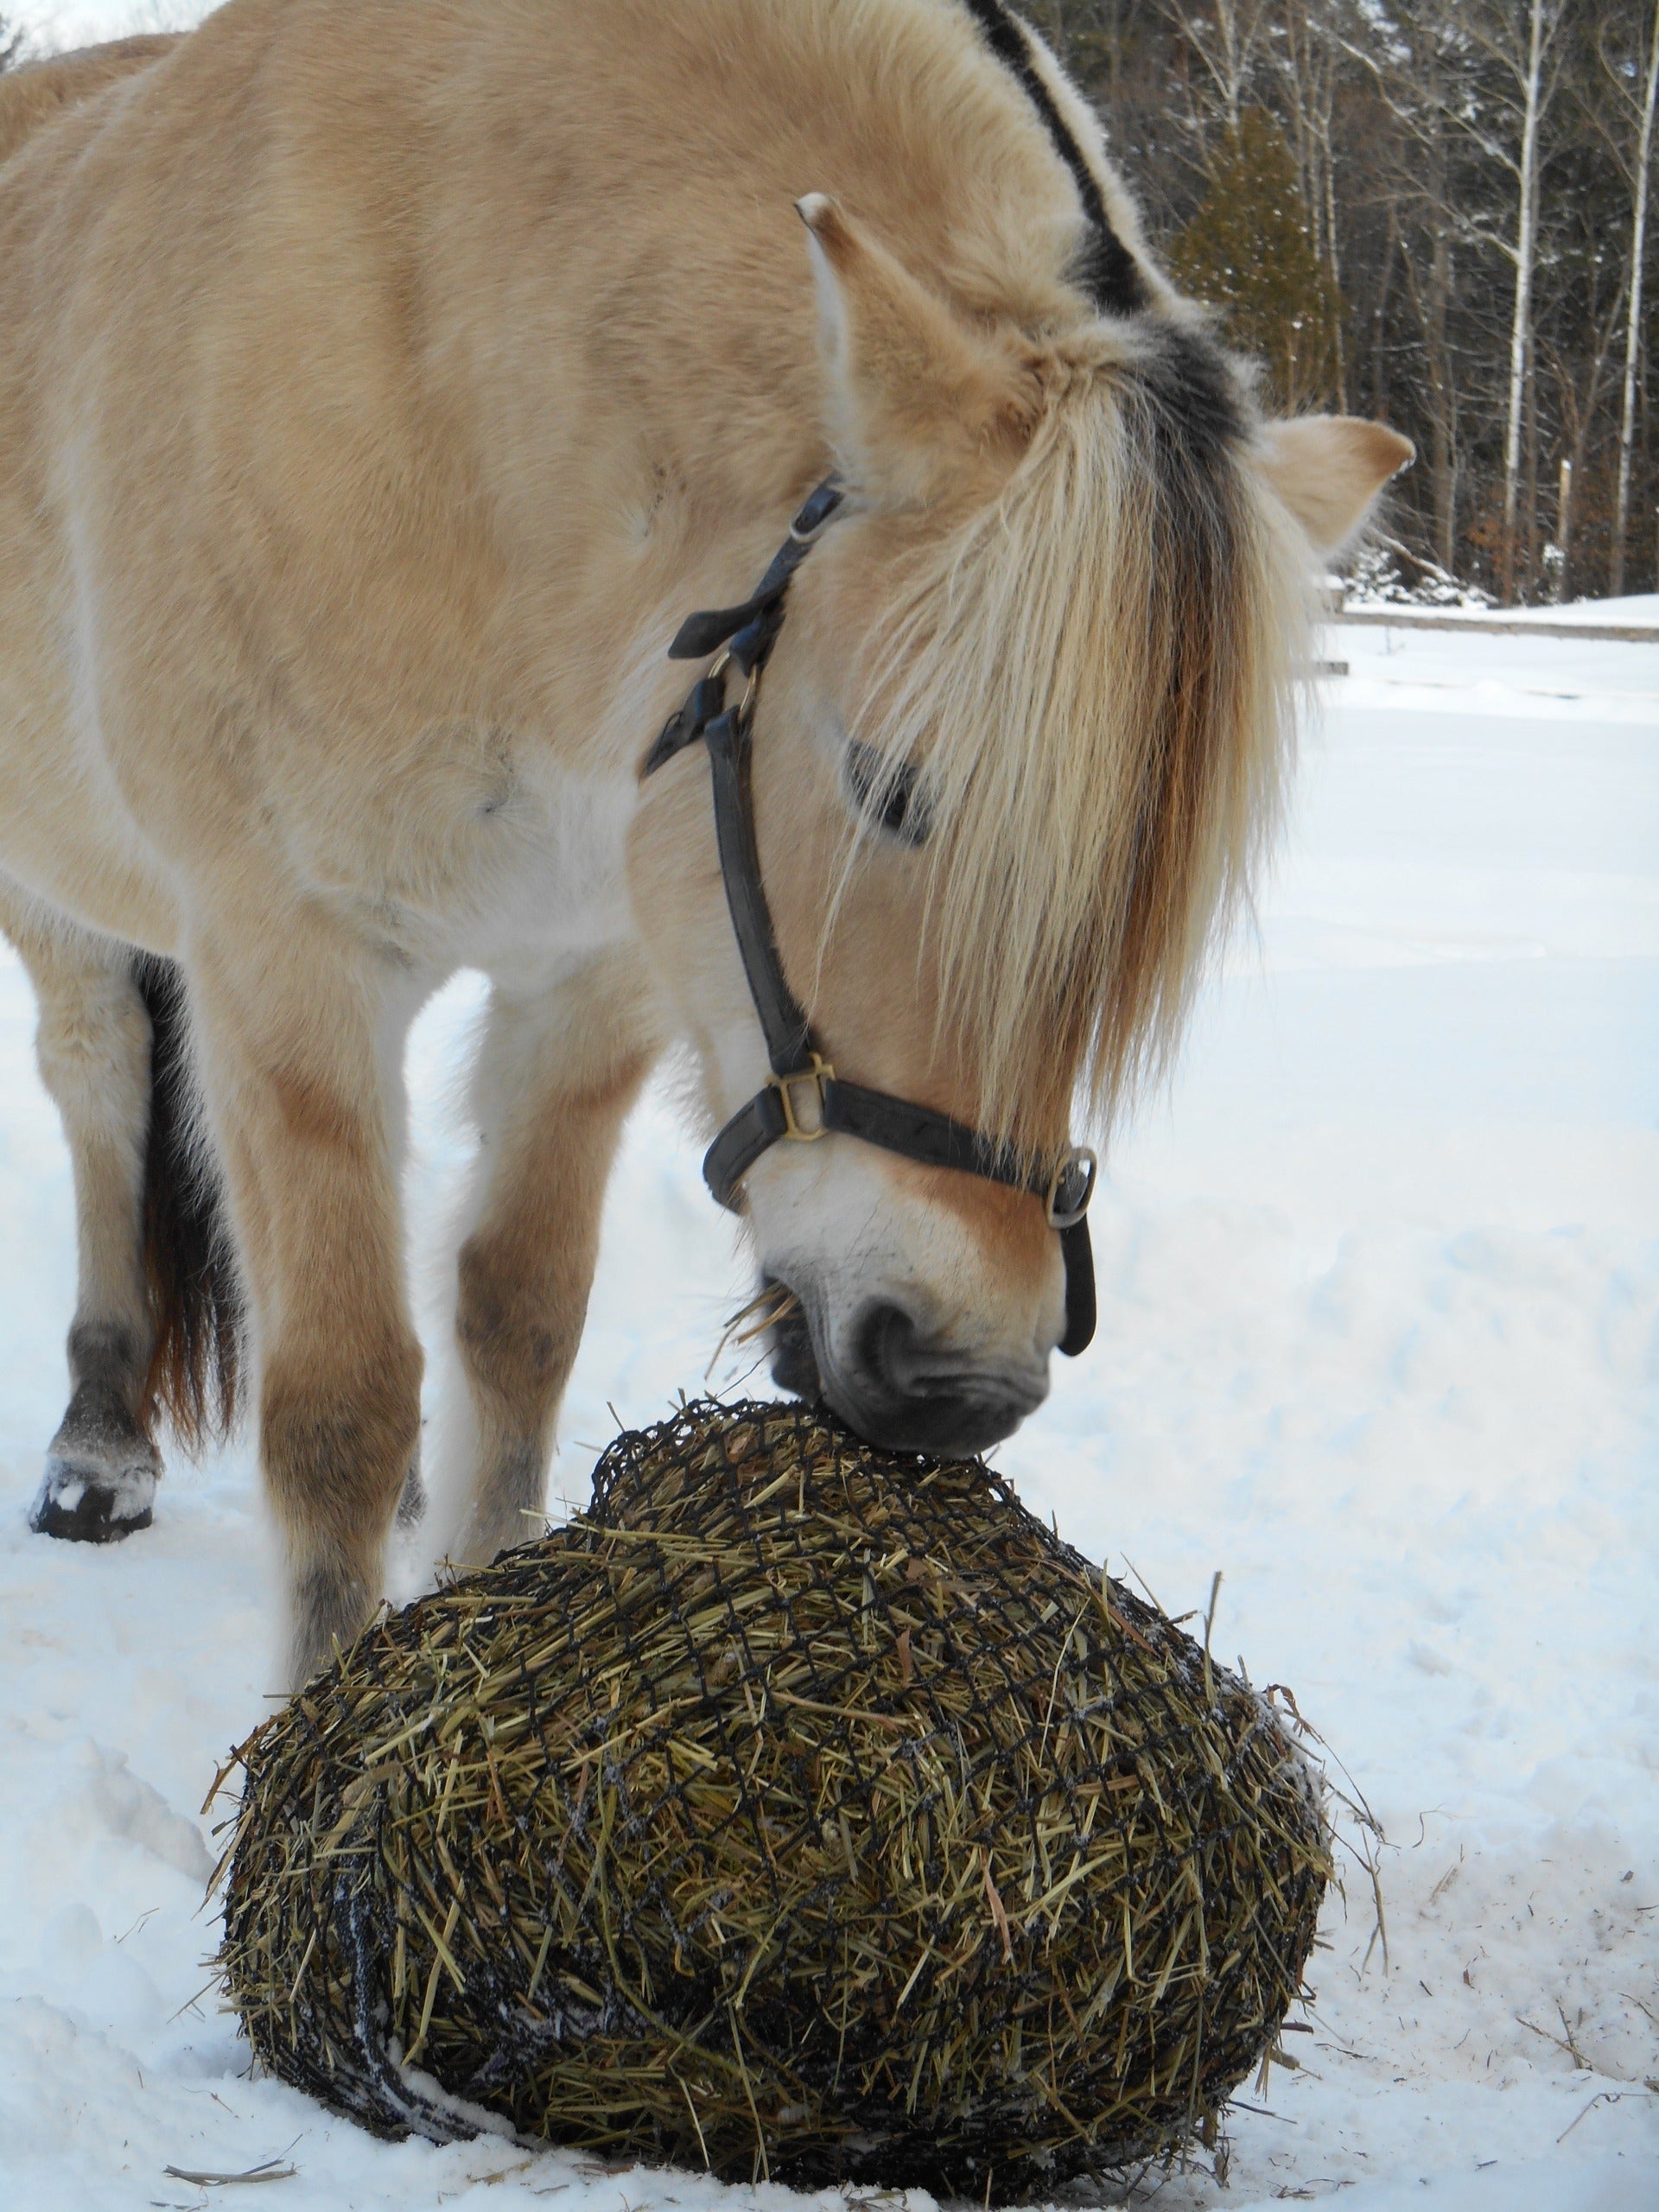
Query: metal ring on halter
{"x": 1072, "y": 1187}
{"x": 752, "y": 683}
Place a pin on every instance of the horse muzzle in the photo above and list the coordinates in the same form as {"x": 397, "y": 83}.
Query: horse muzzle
{"x": 898, "y": 1387}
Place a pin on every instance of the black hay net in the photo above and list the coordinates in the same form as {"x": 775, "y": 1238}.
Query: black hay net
{"x": 802, "y": 1810}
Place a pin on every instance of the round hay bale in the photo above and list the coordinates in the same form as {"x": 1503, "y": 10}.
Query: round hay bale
{"x": 803, "y": 1810}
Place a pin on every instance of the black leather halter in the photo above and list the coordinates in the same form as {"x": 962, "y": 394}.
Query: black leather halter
{"x": 803, "y": 1098}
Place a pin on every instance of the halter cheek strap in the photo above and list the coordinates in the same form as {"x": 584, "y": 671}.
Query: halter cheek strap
{"x": 803, "y": 1099}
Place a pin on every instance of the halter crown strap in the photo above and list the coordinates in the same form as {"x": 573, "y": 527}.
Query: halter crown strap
{"x": 803, "y": 1098}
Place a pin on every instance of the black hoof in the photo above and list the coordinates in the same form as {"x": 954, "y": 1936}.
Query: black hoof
{"x": 84, "y": 1507}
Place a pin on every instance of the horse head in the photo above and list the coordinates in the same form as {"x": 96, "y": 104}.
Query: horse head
{"x": 1018, "y": 748}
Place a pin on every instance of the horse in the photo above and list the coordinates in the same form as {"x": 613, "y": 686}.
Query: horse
{"x": 380, "y": 389}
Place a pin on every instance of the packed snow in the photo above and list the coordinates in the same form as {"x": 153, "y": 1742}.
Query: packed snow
{"x": 1379, "y": 1340}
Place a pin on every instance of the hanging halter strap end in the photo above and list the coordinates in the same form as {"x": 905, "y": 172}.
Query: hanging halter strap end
{"x": 687, "y": 724}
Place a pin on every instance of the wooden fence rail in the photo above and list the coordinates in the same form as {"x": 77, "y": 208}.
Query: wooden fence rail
{"x": 1485, "y": 622}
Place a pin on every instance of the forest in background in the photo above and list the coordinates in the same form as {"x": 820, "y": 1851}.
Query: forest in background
{"x": 1436, "y": 212}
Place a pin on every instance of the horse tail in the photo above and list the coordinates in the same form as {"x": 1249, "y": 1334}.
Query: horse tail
{"x": 196, "y": 1369}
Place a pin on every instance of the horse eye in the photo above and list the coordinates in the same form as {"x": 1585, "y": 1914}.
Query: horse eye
{"x": 890, "y": 796}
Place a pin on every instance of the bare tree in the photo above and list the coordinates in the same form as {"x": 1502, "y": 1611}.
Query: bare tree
{"x": 1308, "y": 61}
{"x": 1228, "y": 39}
{"x": 1487, "y": 262}
{"x": 1580, "y": 397}
{"x": 1415, "y": 57}
{"x": 1637, "y": 161}
{"x": 1499, "y": 100}
{"x": 1522, "y": 44}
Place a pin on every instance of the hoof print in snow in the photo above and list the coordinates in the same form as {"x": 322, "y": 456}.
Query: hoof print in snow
{"x": 87, "y": 1505}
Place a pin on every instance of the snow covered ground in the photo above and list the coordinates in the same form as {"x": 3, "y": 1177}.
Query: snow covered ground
{"x": 1379, "y": 1339}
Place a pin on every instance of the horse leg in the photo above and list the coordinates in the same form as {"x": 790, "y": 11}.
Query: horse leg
{"x": 94, "y": 1047}
{"x": 557, "y": 1075}
{"x": 300, "y": 1036}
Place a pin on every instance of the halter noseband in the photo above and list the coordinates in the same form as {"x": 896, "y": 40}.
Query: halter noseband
{"x": 803, "y": 1098}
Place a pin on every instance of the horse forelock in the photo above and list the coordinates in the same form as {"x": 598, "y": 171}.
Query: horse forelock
{"x": 1095, "y": 675}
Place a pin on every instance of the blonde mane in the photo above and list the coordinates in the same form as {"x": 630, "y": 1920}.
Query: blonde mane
{"x": 1096, "y": 676}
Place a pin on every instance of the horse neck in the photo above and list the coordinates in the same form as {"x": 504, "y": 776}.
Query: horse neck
{"x": 620, "y": 329}
{"x": 612, "y": 241}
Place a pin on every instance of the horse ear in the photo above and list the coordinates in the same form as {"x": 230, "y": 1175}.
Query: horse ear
{"x": 914, "y": 393}
{"x": 1329, "y": 468}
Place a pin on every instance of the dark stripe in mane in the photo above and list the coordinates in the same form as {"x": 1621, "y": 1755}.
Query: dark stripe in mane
{"x": 1199, "y": 420}
{"x": 1106, "y": 269}
{"x": 1191, "y": 415}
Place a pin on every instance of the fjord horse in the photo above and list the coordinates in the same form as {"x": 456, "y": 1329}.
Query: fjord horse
{"x": 380, "y": 386}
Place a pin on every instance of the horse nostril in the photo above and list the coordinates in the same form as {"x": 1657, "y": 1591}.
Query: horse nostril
{"x": 887, "y": 1346}
{"x": 906, "y": 1391}
{"x": 794, "y": 1363}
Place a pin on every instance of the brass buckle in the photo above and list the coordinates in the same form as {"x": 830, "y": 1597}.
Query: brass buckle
{"x": 1078, "y": 1162}
{"x": 817, "y": 1075}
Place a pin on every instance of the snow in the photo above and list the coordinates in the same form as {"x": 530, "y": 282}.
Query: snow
{"x": 1636, "y": 607}
{"x": 1454, "y": 669}
{"x": 1379, "y": 1340}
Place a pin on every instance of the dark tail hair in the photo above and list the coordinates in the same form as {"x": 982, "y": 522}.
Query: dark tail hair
{"x": 195, "y": 1371}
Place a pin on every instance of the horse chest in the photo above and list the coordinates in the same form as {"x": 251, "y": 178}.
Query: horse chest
{"x": 549, "y": 877}
{"x": 480, "y": 851}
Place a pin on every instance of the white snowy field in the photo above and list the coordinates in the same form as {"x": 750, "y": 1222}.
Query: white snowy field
{"x": 1379, "y": 1339}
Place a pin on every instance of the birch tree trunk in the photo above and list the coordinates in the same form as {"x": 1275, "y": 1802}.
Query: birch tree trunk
{"x": 1633, "y": 326}
{"x": 1525, "y": 249}
{"x": 1336, "y": 270}
{"x": 1442, "y": 417}
{"x": 1226, "y": 38}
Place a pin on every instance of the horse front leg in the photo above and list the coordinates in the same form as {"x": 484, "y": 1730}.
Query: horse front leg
{"x": 299, "y": 1032}
{"x": 556, "y": 1074}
